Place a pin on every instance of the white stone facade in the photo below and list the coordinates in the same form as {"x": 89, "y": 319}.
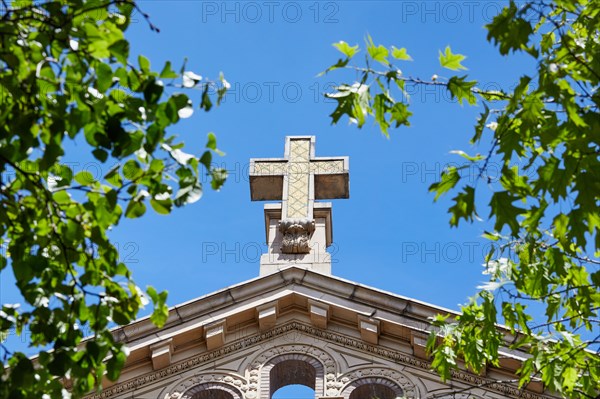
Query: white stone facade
{"x": 296, "y": 326}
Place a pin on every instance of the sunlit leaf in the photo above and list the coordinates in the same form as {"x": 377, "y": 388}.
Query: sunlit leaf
{"x": 450, "y": 60}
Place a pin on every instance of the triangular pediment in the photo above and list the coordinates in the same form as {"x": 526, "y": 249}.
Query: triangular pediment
{"x": 353, "y": 332}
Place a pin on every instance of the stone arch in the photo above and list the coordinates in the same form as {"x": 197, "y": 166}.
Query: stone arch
{"x": 371, "y": 388}
{"x": 208, "y": 385}
{"x": 394, "y": 380}
{"x": 324, "y": 385}
{"x": 450, "y": 394}
{"x": 292, "y": 368}
{"x": 212, "y": 390}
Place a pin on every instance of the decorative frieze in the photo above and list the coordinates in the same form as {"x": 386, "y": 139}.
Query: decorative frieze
{"x": 327, "y": 336}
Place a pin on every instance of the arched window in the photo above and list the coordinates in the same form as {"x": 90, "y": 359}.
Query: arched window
{"x": 212, "y": 394}
{"x": 373, "y": 391}
{"x": 291, "y": 369}
{"x": 294, "y": 392}
{"x": 290, "y": 372}
{"x": 212, "y": 390}
{"x": 373, "y": 388}
{"x": 452, "y": 395}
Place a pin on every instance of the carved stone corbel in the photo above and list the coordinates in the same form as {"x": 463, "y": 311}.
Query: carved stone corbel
{"x": 296, "y": 235}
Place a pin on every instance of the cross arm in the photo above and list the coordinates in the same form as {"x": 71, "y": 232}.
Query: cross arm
{"x": 331, "y": 177}
{"x": 266, "y": 178}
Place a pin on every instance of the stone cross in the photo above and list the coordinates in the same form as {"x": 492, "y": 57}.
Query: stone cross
{"x": 298, "y": 180}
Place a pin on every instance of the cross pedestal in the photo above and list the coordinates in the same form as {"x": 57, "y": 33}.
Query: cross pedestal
{"x": 298, "y": 229}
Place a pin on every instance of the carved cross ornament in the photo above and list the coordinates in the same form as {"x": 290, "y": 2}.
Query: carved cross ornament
{"x": 297, "y": 180}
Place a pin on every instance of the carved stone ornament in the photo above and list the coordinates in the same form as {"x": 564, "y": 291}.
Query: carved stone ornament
{"x": 322, "y": 361}
{"x": 232, "y": 384}
{"x": 397, "y": 381}
{"x": 296, "y": 235}
{"x": 324, "y": 338}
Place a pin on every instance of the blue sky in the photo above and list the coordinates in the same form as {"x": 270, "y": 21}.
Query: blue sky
{"x": 389, "y": 234}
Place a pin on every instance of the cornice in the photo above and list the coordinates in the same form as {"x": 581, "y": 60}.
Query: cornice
{"x": 292, "y": 278}
{"x": 326, "y": 335}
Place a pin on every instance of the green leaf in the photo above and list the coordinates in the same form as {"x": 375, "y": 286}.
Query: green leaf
{"x": 212, "y": 141}
{"x": 162, "y": 207}
{"x": 346, "y": 49}
{"x": 381, "y": 107}
{"x": 62, "y": 176}
{"x": 144, "y": 64}
{"x": 508, "y": 30}
{"x": 219, "y": 175}
{"x": 84, "y": 178}
{"x": 62, "y": 197}
{"x": 378, "y": 53}
{"x": 340, "y": 64}
{"x": 532, "y": 109}
{"x": 449, "y": 180}
{"x": 400, "y": 114}
{"x": 161, "y": 311}
{"x": 223, "y": 89}
{"x": 153, "y": 91}
{"x": 167, "y": 72}
{"x": 120, "y": 50}
{"x": 206, "y": 103}
{"x": 540, "y": 141}
{"x": 23, "y": 373}
{"x": 505, "y": 212}
{"x": 570, "y": 377}
{"x": 206, "y": 159}
{"x": 345, "y": 105}
{"x": 114, "y": 177}
{"x": 491, "y": 236}
{"x": 135, "y": 209}
{"x": 401, "y": 54}
{"x": 461, "y": 89}
{"x": 472, "y": 158}
{"x": 132, "y": 170}
{"x": 450, "y": 60}
{"x": 100, "y": 154}
{"x": 104, "y": 75}
{"x": 352, "y": 101}
{"x": 114, "y": 365}
{"x": 66, "y": 72}
{"x": 464, "y": 206}
{"x": 573, "y": 113}
{"x": 481, "y": 124}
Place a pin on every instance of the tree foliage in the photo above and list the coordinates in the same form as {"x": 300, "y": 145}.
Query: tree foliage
{"x": 545, "y": 209}
{"x": 66, "y": 77}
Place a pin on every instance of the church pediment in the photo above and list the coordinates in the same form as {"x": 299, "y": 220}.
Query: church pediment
{"x": 357, "y": 333}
